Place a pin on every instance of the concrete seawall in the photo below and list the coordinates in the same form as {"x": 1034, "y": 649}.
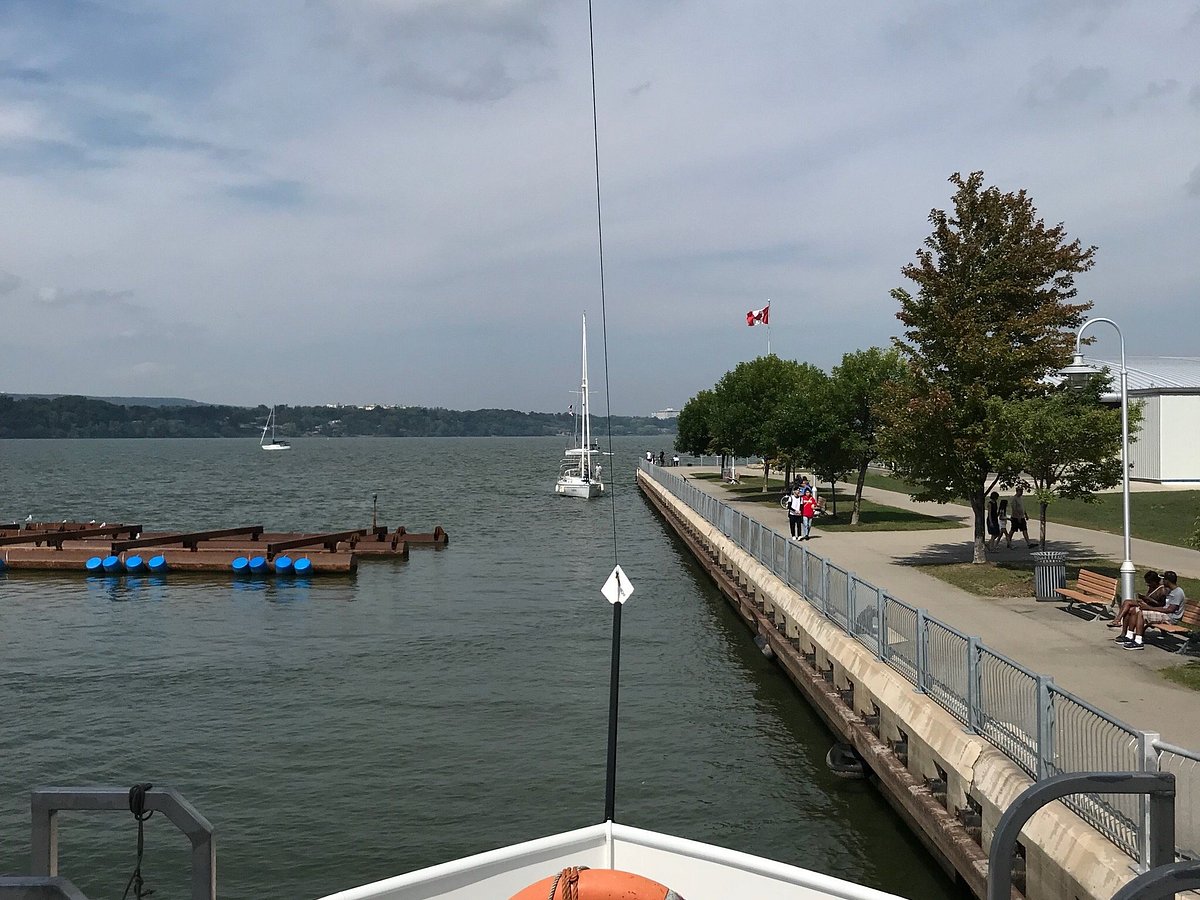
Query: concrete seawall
{"x": 948, "y": 784}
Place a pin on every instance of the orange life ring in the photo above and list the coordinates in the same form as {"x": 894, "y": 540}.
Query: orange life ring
{"x": 595, "y": 884}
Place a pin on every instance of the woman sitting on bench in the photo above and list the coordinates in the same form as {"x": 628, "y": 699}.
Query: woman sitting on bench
{"x": 1154, "y": 598}
{"x": 1172, "y": 612}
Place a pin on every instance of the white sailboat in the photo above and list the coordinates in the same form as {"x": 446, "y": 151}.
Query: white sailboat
{"x": 274, "y": 443}
{"x": 579, "y": 473}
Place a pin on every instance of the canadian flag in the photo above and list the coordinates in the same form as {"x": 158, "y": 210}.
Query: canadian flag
{"x": 759, "y": 315}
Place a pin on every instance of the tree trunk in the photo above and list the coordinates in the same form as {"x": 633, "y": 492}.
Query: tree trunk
{"x": 832, "y": 497}
{"x": 862, "y": 477}
{"x": 1042, "y": 524}
{"x": 766, "y": 473}
{"x": 978, "y": 506}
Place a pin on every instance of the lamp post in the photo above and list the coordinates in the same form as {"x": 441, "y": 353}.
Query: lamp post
{"x": 1079, "y": 369}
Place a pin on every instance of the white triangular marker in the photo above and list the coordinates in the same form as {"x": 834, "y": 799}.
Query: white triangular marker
{"x": 618, "y": 587}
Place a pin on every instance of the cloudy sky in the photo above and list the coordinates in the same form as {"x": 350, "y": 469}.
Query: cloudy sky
{"x": 393, "y": 200}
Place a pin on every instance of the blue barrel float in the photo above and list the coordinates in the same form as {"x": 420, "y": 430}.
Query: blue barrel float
{"x": 158, "y": 564}
{"x": 240, "y": 565}
{"x": 302, "y": 566}
{"x": 93, "y": 565}
{"x": 283, "y": 565}
{"x": 133, "y": 564}
{"x": 258, "y": 565}
{"x": 111, "y": 564}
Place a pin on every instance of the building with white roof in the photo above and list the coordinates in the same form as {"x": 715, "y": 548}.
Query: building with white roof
{"x": 1167, "y": 448}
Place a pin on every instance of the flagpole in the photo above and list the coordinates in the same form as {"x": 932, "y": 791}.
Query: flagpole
{"x": 768, "y": 327}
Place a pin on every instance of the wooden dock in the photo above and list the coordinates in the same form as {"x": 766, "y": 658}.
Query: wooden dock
{"x": 115, "y": 549}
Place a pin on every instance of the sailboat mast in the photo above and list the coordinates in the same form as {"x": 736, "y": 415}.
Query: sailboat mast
{"x": 586, "y": 447}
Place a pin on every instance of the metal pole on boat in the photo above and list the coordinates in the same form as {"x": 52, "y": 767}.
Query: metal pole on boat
{"x": 614, "y": 684}
{"x": 616, "y": 590}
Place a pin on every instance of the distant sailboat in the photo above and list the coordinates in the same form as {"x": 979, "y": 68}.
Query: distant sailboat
{"x": 274, "y": 443}
{"x": 579, "y": 473}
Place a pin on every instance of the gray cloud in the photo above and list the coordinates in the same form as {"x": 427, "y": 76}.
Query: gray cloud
{"x": 1194, "y": 96}
{"x": 88, "y": 299}
{"x": 8, "y": 283}
{"x": 1051, "y": 89}
{"x": 273, "y": 193}
{"x": 1193, "y": 182}
{"x": 467, "y": 50}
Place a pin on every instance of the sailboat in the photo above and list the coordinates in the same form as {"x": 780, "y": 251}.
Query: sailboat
{"x": 579, "y": 473}
{"x": 274, "y": 443}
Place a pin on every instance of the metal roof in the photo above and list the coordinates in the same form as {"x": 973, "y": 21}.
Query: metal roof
{"x": 1151, "y": 373}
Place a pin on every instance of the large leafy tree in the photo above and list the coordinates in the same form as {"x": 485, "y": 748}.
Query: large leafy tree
{"x": 1064, "y": 439}
{"x": 694, "y": 433}
{"x": 748, "y": 407}
{"x": 990, "y": 319}
{"x": 856, "y": 388}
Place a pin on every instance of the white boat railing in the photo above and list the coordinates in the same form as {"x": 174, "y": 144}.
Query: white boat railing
{"x": 694, "y": 870}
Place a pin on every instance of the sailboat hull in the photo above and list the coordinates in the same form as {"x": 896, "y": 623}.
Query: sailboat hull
{"x": 577, "y": 487}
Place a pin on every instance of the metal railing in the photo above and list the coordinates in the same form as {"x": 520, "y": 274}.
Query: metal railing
{"x": 1040, "y": 727}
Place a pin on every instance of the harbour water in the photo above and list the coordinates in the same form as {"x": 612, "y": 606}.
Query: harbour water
{"x": 345, "y": 730}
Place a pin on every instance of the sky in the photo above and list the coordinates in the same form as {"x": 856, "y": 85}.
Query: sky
{"x": 393, "y": 201}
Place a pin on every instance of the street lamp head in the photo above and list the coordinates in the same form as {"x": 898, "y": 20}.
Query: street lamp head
{"x": 1079, "y": 372}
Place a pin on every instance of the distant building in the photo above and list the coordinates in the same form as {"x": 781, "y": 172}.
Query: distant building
{"x": 669, "y": 413}
{"x": 1166, "y": 449}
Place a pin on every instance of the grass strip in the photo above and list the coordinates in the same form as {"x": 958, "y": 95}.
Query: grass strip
{"x": 1015, "y": 579}
{"x": 872, "y": 516}
{"x": 1187, "y": 675}
{"x": 1165, "y": 517}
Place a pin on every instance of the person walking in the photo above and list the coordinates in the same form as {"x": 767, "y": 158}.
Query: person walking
{"x": 808, "y": 509}
{"x": 795, "y": 513}
{"x": 995, "y": 532}
{"x": 1017, "y": 519}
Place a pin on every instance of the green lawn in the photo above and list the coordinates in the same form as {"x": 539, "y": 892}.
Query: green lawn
{"x": 1013, "y": 579}
{"x": 1187, "y": 675}
{"x": 1167, "y": 517}
{"x": 872, "y": 516}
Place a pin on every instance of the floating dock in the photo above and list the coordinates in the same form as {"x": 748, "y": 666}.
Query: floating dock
{"x": 114, "y": 549}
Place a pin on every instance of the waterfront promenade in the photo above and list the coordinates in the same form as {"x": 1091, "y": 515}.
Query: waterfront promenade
{"x": 1080, "y": 655}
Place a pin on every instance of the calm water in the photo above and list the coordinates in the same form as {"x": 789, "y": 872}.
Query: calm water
{"x": 350, "y": 729}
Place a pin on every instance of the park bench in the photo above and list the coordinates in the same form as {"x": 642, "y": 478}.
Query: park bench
{"x": 1091, "y": 589}
{"x": 1189, "y": 624}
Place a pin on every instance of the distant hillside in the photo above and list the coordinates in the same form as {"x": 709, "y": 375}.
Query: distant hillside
{"x": 85, "y": 417}
{"x": 152, "y": 402}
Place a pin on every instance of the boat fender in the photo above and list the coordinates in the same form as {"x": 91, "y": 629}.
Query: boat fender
{"x": 844, "y": 762}
{"x": 581, "y": 883}
{"x": 240, "y": 565}
{"x": 767, "y": 650}
{"x": 93, "y": 564}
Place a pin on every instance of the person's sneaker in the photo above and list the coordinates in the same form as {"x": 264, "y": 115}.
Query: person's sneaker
{"x": 1134, "y": 645}
{"x": 1121, "y": 639}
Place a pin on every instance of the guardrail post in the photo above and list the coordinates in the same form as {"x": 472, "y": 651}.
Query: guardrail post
{"x": 851, "y": 603}
{"x": 1147, "y": 762}
{"x": 1045, "y": 726}
{"x": 825, "y": 586}
{"x": 922, "y": 647}
{"x": 974, "y": 687}
{"x": 804, "y": 575}
{"x": 787, "y": 563}
{"x": 880, "y": 624}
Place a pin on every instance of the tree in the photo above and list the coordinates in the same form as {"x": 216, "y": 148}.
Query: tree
{"x": 1065, "y": 440}
{"x": 747, "y": 402}
{"x": 857, "y": 386}
{"x": 694, "y": 433}
{"x": 990, "y": 319}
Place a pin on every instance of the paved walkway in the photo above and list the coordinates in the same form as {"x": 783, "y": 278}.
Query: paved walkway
{"x": 1080, "y": 655}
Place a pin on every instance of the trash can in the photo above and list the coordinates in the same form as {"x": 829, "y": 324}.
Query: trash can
{"x": 1050, "y": 572}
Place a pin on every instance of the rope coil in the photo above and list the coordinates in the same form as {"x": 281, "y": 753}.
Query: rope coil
{"x": 570, "y": 885}
{"x": 137, "y": 806}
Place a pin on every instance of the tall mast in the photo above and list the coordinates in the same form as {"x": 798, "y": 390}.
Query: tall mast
{"x": 586, "y": 457}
